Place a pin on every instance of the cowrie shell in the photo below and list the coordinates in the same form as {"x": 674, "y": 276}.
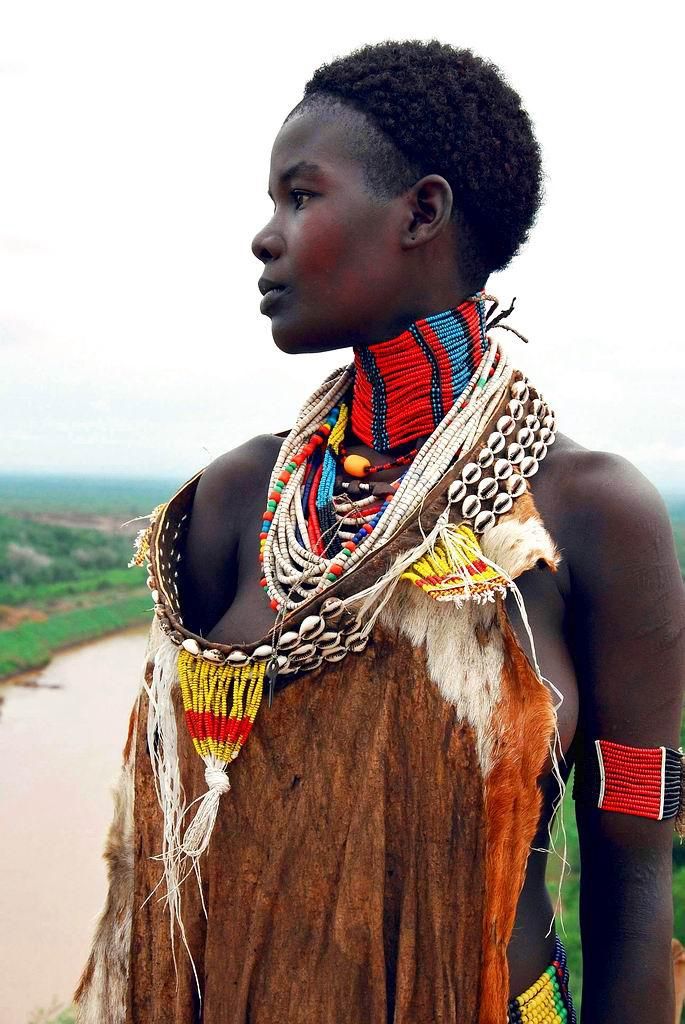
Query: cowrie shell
{"x": 331, "y": 607}
{"x": 502, "y": 503}
{"x": 288, "y": 640}
{"x": 311, "y": 626}
{"x": 302, "y": 653}
{"x": 484, "y": 520}
{"x": 505, "y": 424}
{"x": 496, "y": 441}
{"x": 525, "y": 437}
{"x": 520, "y": 390}
{"x": 456, "y": 490}
{"x": 515, "y": 485}
{"x": 191, "y": 646}
{"x": 264, "y": 651}
{"x": 212, "y": 655}
{"x": 486, "y": 457}
{"x": 471, "y": 507}
{"x": 503, "y": 469}
{"x": 515, "y": 452}
{"x": 337, "y": 654}
{"x": 532, "y": 422}
{"x": 471, "y": 472}
{"x": 529, "y": 466}
{"x": 538, "y": 449}
{"x": 487, "y": 487}
{"x": 515, "y": 408}
{"x": 237, "y": 657}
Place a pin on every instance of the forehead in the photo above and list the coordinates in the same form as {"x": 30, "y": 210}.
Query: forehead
{"x": 320, "y": 139}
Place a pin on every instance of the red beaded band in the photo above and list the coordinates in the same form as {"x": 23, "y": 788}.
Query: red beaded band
{"x": 645, "y": 781}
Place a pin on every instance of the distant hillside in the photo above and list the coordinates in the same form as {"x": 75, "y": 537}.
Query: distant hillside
{"x": 82, "y": 496}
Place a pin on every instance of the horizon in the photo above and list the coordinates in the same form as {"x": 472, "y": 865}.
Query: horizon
{"x": 171, "y": 481}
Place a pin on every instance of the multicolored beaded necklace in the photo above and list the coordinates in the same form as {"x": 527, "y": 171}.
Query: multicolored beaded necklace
{"x": 404, "y": 387}
{"x": 441, "y": 377}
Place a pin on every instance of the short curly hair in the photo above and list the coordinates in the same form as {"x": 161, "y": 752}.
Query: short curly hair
{"x": 438, "y": 109}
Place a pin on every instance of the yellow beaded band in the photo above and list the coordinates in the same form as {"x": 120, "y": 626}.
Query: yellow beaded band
{"x": 455, "y": 567}
{"x": 548, "y": 1000}
{"x": 220, "y": 703}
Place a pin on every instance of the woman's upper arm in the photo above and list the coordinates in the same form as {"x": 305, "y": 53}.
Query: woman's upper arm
{"x": 628, "y": 607}
{"x": 628, "y": 640}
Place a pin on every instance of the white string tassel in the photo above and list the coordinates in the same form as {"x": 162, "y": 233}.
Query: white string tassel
{"x": 162, "y": 741}
{"x": 199, "y": 832}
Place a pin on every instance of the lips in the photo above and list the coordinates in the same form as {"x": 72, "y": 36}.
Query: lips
{"x": 271, "y": 295}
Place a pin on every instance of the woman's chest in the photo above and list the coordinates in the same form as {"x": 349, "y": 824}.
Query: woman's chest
{"x": 248, "y": 616}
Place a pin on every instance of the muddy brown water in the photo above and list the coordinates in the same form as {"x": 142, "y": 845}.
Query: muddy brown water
{"x": 60, "y": 751}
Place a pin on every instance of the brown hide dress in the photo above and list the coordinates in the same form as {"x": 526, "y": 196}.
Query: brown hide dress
{"x": 367, "y": 862}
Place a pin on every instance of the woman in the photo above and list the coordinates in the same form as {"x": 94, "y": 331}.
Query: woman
{"x": 381, "y": 853}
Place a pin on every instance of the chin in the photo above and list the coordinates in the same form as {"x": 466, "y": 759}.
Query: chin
{"x": 294, "y": 338}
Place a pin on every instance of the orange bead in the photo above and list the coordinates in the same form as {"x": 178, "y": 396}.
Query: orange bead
{"x": 356, "y": 465}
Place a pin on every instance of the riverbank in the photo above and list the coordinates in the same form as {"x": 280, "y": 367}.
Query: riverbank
{"x": 65, "y": 543}
{"x": 31, "y": 645}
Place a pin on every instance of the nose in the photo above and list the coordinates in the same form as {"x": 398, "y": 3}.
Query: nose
{"x": 267, "y": 244}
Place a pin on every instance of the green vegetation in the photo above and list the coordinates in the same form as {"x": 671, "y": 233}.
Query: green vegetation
{"x": 63, "y": 557}
{"x": 88, "y": 496}
{"x": 31, "y": 644}
{"x": 34, "y": 553}
{"x": 676, "y": 510}
{"x": 53, "y": 1016}
{"x": 47, "y": 595}
{"x": 569, "y": 932}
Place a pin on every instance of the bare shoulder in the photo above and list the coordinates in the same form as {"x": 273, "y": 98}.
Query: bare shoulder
{"x": 228, "y": 485}
{"x": 608, "y": 505}
{"x": 626, "y": 597}
{"x": 230, "y": 493}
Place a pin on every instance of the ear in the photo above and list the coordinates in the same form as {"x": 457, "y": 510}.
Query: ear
{"x": 429, "y": 209}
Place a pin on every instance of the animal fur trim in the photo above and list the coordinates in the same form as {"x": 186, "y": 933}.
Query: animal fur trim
{"x": 475, "y": 659}
{"x": 519, "y": 541}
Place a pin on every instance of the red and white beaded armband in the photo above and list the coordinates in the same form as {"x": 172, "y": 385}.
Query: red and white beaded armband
{"x": 646, "y": 781}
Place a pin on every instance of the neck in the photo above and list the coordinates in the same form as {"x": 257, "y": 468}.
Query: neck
{"x": 405, "y": 386}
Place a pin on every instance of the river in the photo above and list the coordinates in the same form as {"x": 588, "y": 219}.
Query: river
{"x": 60, "y": 751}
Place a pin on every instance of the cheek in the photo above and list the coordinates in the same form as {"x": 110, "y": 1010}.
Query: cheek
{"x": 321, "y": 249}
{"x": 339, "y": 257}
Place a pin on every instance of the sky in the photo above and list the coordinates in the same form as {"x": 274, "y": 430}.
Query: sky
{"x": 133, "y": 176}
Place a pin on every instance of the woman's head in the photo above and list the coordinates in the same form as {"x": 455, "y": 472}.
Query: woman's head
{"x": 407, "y": 174}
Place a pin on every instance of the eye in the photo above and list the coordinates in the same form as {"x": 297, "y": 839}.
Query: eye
{"x": 300, "y": 198}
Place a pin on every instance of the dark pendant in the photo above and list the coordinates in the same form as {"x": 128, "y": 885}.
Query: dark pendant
{"x": 271, "y": 676}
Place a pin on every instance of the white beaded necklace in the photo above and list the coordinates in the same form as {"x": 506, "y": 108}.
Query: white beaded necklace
{"x": 292, "y": 570}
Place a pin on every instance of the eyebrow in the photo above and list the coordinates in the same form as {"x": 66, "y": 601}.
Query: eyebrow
{"x": 301, "y": 167}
